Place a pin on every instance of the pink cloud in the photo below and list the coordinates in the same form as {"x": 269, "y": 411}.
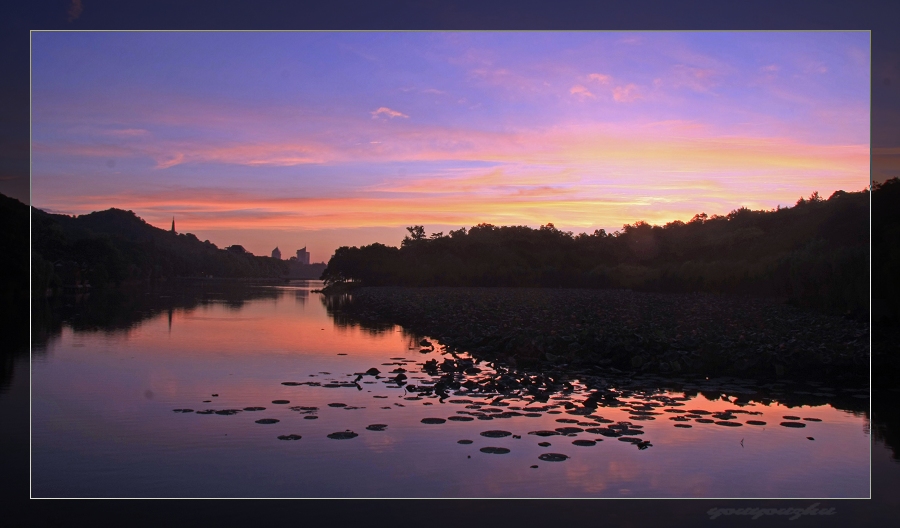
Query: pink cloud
{"x": 581, "y": 91}
{"x": 385, "y": 111}
{"x": 599, "y": 77}
{"x": 627, "y": 93}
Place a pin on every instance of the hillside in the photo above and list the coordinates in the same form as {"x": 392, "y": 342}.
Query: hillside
{"x": 112, "y": 246}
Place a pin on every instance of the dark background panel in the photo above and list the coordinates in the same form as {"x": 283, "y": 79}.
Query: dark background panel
{"x": 18, "y": 19}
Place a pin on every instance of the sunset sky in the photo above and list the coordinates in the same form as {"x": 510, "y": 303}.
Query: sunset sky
{"x": 324, "y": 139}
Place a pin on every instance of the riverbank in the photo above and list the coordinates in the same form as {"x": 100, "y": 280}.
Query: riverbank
{"x": 621, "y": 330}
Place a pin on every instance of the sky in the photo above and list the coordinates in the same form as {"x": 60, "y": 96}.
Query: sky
{"x": 325, "y": 139}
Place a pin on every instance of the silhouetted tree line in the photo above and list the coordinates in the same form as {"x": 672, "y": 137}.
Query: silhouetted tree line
{"x": 112, "y": 246}
{"x": 815, "y": 253}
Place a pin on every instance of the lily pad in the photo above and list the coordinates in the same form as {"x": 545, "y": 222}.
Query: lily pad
{"x": 183, "y": 410}
{"x": 254, "y": 408}
{"x": 494, "y": 450}
{"x": 755, "y": 422}
{"x": 729, "y": 424}
{"x": 544, "y": 433}
{"x": 460, "y": 418}
{"x": 553, "y": 457}
{"x": 433, "y": 420}
{"x": 280, "y": 402}
{"x": 376, "y": 427}
{"x": 228, "y": 412}
{"x": 683, "y": 426}
{"x": 704, "y": 420}
{"x": 566, "y": 420}
{"x": 343, "y": 435}
{"x": 795, "y": 425}
{"x": 267, "y": 421}
{"x": 465, "y": 442}
{"x": 585, "y": 443}
{"x": 812, "y": 419}
{"x": 337, "y": 404}
{"x": 495, "y": 433}
{"x": 609, "y": 433}
{"x": 290, "y": 437}
{"x": 311, "y": 417}
{"x": 791, "y": 417}
{"x": 544, "y": 444}
{"x": 569, "y": 430}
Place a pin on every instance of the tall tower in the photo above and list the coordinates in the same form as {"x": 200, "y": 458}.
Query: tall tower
{"x": 173, "y": 225}
{"x": 276, "y": 253}
{"x": 303, "y": 256}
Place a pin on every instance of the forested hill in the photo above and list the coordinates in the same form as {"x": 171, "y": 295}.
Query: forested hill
{"x": 112, "y": 246}
{"x": 815, "y": 253}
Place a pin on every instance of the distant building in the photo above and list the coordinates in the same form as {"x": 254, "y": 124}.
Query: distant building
{"x": 173, "y": 224}
{"x": 303, "y": 256}
{"x": 276, "y": 253}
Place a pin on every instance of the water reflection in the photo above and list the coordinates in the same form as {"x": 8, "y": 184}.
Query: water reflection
{"x": 253, "y": 385}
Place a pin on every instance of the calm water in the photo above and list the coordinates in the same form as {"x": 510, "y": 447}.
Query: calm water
{"x": 104, "y": 422}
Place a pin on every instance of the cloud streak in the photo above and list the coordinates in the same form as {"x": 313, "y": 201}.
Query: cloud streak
{"x": 387, "y": 112}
